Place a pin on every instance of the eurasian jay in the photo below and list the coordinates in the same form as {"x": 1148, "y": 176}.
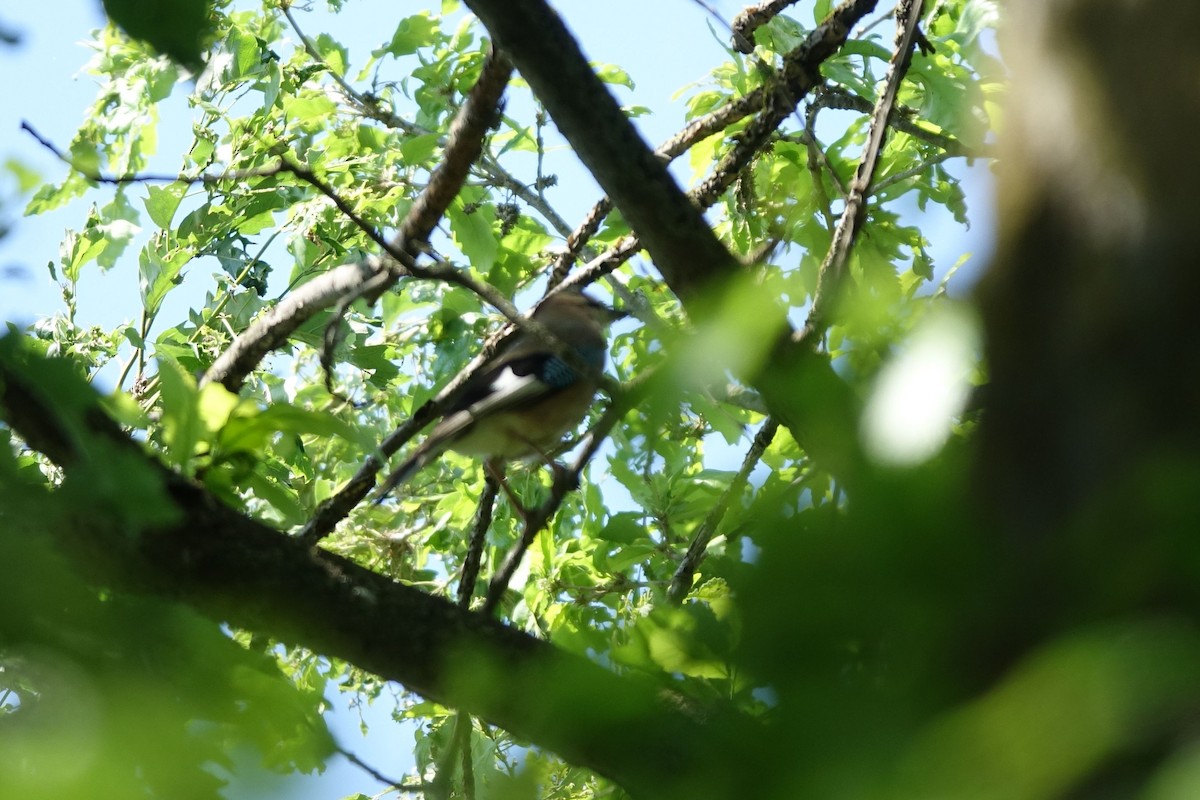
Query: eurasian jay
{"x": 524, "y": 400}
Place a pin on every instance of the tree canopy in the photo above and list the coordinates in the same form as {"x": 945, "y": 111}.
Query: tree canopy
{"x": 836, "y": 527}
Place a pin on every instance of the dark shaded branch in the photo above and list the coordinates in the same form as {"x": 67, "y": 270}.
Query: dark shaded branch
{"x": 483, "y": 521}
{"x": 681, "y": 581}
{"x": 797, "y": 78}
{"x": 797, "y": 384}
{"x": 833, "y": 267}
{"x": 145, "y": 177}
{"x": 591, "y": 119}
{"x": 239, "y": 572}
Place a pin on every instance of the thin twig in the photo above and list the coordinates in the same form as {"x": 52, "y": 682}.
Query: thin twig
{"x": 367, "y": 768}
{"x": 829, "y": 277}
{"x": 146, "y": 177}
{"x": 463, "y": 724}
{"x": 681, "y": 581}
{"x": 483, "y": 521}
{"x": 902, "y": 119}
{"x": 904, "y": 175}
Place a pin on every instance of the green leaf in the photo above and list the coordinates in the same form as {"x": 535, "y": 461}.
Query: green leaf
{"x": 243, "y": 46}
{"x": 159, "y": 271}
{"x": 215, "y": 405}
{"x": 77, "y": 249}
{"x": 688, "y": 640}
{"x": 611, "y": 73}
{"x": 619, "y": 559}
{"x": 418, "y": 149}
{"x": 279, "y": 497}
{"x": 977, "y": 17}
{"x": 333, "y": 53}
{"x": 374, "y": 358}
{"x": 252, "y": 432}
{"x": 176, "y": 28}
{"x": 162, "y": 201}
{"x": 781, "y": 35}
{"x": 118, "y": 225}
{"x": 183, "y": 427}
{"x": 624, "y": 528}
{"x": 27, "y": 177}
{"x": 411, "y": 34}
{"x": 50, "y": 197}
{"x": 310, "y": 111}
{"x": 173, "y": 343}
{"x": 474, "y": 235}
{"x": 125, "y": 410}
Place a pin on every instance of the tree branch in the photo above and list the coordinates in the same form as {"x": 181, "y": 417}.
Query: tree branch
{"x": 751, "y": 18}
{"x": 372, "y": 277}
{"x": 681, "y": 582}
{"x": 833, "y": 267}
{"x": 798, "y": 385}
{"x": 239, "y": 572}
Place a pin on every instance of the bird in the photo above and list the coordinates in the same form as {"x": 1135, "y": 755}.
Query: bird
{"x": 522, "y": 402}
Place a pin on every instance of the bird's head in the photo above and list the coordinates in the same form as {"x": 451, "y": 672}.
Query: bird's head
{"x": 573, "y": 303}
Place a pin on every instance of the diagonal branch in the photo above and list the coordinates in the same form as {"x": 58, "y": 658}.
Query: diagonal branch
{"x": 797, "y": 384}
{"x": 685, "y": 573}
{"x": 833, "y": 267}
{"x": 751, "y": 18}
{"x": 375, "y": 276}
{"x": 239, "y": 572}
{"x": 591, "y": 119}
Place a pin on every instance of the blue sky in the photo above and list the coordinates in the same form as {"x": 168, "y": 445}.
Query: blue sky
{"x": 663, "y": 45}
{"x": 53, "y": 95}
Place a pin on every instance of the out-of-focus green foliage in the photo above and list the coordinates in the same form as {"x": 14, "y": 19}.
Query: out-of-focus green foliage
{"x": 176, "y": 28}
{"x": 112, "y": 694}
{"x": 843, "y": 622}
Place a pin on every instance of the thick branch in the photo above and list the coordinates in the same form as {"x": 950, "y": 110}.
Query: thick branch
{"x": 798, "y": 385}
{"x": 463, "y": 146}
{"x": 669, "y": 225}
{"x": 240, "y": 572}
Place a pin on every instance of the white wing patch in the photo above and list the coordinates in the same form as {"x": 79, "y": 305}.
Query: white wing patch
{"x": 506, "y": 390}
